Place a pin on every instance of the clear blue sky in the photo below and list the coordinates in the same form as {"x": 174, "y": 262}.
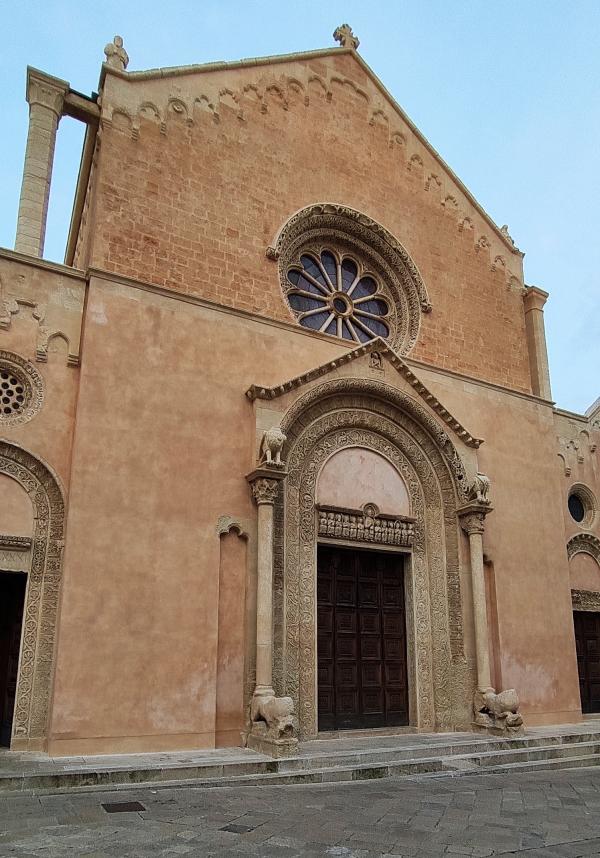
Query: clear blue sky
{"x": 508, "y": 92}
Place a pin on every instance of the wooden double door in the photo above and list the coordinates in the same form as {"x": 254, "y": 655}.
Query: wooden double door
{"x": 587, "y": 641}
{"x": 361, "y": 639}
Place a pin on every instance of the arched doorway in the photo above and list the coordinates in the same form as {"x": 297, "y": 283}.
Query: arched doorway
{"x": 373, "y": 416}
{"x": 30, "y": 573}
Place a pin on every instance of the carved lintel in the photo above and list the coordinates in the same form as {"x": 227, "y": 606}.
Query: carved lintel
{"x": 366, "y": 525}
{"x": 14, "y": 543}
{"x": 585, "y": 600}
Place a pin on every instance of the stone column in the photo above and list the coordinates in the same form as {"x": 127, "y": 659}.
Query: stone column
{"x": 471, "y": 521}
{"x": 264, "y": 491}
{"x": 273, "y": 725}
{"x": 45, "y": 95}
{"x": 534, "y": 300}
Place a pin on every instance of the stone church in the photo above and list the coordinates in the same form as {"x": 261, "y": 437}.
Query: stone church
{"x": 278, "y": 451}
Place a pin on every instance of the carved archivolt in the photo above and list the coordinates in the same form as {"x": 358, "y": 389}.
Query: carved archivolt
{"x": 441, "y": 681}
{"x": 41, "y": 601}
{"x": 586, "y": 543}
{"x": 350, "y": 231}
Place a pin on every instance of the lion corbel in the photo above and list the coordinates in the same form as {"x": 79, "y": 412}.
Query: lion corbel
{"x": 274, "y": 717}
{"x": 498, "y": 711}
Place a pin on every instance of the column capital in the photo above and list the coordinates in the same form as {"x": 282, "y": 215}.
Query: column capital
{"x": 46, "y": 90}
{"x": 472, "y": 517}
{"x": 534, "y": 298}
{"x": 265, "y": 484}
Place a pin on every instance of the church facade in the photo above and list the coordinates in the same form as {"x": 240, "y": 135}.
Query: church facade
{"x": 278, "y": 451}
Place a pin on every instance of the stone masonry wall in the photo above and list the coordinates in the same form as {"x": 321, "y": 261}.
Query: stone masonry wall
{"x": 197, "y": 172}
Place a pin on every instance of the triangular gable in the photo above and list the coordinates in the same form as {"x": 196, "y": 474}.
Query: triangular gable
{"x": 379, "y": 346}
{"x": 381, "y": 110}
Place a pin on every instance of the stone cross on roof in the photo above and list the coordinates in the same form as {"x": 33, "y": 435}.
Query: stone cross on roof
{"x": 116, "y": 55}
{"x": 344, "y": 35}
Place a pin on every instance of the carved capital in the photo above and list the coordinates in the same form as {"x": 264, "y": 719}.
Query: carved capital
{"x": 264, "y": 490}
{"x": 473, "y": 522}
{"x": 46, "y": 90}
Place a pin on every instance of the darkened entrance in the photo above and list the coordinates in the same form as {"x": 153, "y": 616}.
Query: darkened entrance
{"x": 12, "y": 599}
{"x": 587, "y": 641}
{"x": 361, "y": 639}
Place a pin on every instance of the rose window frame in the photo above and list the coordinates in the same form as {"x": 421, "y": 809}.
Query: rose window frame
{"x": 332, "y": 292}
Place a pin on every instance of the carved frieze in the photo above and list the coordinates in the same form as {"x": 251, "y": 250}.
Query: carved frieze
{"x": 585, "y": 600}
{"x": 366, "y": 525}
{"x": 586, "y": 543}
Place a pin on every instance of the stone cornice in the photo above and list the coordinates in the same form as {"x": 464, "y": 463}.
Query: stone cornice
{"x": 381, "y": 348}
{"x": 35, "y": 262}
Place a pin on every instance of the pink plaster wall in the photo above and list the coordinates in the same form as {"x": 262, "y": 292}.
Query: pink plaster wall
{"x": 354, "y": 477}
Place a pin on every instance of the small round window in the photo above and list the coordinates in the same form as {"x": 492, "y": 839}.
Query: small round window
{"x": 582, "y": 505}
{"x": 21, "y": 389}
{"x": 330, "y": 293}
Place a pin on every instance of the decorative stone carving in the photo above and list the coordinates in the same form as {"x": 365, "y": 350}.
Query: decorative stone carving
{"x": 264, "y": 490}
{"x": 504, "y": 231}
{"x": 277, "y": 714}
{"x": 585, "y": 600}
{"x": 365, "y": 413}
{"x": 498, "y": 713}
{"x": 479, "y": 490}
{"x": 347, "y": 230}
{"x": 375, "y": 361}
{"x": 344, "y": 35}
{"x": 271, "y": 446}
{"x": 584, "y": 542}
{"x": 227, "y": 523}
{"x": 116, "y": 55}
{"x": 36, "y": 663}
{"x": 380, "y": 347}
{"x": 473, "y": 522}
{"x": 366, "y": 525}
{"x": 14, "y": 366}
{"x": 14, "y": 543}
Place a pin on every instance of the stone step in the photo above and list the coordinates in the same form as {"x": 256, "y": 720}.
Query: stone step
{"x": 368, "y": 756}
{"x": 425, "y": 755}
{"x": 267, "y": 773}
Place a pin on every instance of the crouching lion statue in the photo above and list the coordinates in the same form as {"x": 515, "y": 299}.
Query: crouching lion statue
{"x": 498, "y": 711}
{"x": 271, "y": 446}
{"x": 276, "y": 714}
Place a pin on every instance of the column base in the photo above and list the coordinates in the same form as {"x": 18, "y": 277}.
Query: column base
{"x": 258, "y": 740}
{"x": 492, "y": 730}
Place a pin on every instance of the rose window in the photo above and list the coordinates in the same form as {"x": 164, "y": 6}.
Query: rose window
{"x": 330, "y": 293}
{"x": 21, "y": 389}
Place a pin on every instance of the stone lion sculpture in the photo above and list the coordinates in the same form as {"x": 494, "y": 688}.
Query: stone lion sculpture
{"x": 277, "y": 714}
{"x": 500, "y": 711}
{"x": 271, "y": 446}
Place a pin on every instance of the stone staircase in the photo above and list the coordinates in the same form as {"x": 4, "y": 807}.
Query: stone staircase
{"x": 353, "y": 758}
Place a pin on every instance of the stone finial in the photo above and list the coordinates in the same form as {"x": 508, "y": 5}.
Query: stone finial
{"x": 506, "y": 234}
{"x": 344, "y": 35}
{"x": 116, "y": 55}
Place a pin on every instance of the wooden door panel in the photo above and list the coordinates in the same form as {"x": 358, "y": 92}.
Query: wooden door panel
{"x": 587, "y": 643}
{"x": 361, "y": 640}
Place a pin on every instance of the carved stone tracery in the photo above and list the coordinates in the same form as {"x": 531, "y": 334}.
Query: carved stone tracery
{"x": 41, "y": 603}
{"x": 585, "y": 543}
{"x": 347, "y": 230}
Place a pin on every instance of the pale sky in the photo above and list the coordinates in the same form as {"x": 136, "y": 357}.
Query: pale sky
{"x": 508, "y": 93}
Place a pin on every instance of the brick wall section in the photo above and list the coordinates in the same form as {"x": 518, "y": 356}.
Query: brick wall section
{"x": 193, "y": 206}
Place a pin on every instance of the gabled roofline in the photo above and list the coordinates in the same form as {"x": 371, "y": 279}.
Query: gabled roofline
{"x": 377, "y": 345}
{"x": 176, "y": 71}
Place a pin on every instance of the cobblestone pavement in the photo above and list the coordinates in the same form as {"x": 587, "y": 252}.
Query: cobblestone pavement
{"x": 550, "y": 814}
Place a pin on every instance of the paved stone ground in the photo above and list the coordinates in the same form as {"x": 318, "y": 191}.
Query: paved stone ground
{"x": 542, "y": 815}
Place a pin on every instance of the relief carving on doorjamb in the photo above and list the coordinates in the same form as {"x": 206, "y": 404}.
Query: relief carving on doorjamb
{"x": 36, "y": 664}
{"x": 360, "y": 412}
